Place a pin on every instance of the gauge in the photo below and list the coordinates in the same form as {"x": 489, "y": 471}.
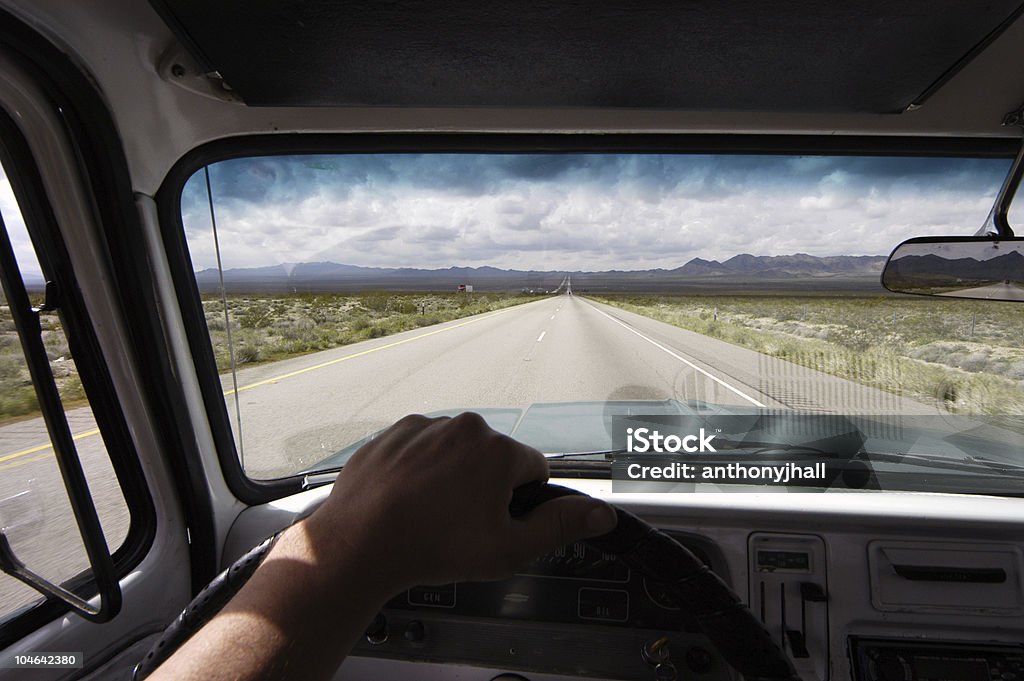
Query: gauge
{"x": 659, "y": 595}
{"x": 579, "y": 561}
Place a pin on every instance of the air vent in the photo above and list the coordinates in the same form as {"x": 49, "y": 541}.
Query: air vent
{"x": 969, "y": 579}
{"x": 789, "y": 592}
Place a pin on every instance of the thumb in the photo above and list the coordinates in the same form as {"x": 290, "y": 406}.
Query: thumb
{"x": 559, "y": 522}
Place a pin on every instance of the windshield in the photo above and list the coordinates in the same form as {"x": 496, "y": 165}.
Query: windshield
{"x": 554, "y": 293}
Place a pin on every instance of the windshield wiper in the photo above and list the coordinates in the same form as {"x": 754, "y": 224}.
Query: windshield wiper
{"x": 969, "y": 463}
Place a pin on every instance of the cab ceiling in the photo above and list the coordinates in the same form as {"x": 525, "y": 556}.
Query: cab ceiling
{"x": 863, "y": 56}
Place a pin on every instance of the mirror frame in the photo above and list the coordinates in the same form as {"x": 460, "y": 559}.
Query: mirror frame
{"x": 988, "y": 239}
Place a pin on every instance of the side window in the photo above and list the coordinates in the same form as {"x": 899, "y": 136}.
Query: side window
{"x": 35, "y": 514}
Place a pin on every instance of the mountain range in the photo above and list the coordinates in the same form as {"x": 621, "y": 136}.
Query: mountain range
{"x": 937, "y": 270}
{"x": 744, "y": 269}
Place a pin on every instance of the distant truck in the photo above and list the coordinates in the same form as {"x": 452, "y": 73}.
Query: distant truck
{"x": 465, "y": 288}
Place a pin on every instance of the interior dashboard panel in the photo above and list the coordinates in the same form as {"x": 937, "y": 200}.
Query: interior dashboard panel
{"x": 908, "y": 575}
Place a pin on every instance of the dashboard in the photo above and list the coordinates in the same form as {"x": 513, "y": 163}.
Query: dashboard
{"x": 864, "y": 586}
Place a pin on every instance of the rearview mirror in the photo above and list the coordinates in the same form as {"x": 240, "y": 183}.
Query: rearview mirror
{"x": 958, "y": 267}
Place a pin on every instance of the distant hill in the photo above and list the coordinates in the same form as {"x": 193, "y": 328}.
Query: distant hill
{"x": 935, "y": 270}
{"x": 798, "y": 264}
{"x": 744, "y": 270}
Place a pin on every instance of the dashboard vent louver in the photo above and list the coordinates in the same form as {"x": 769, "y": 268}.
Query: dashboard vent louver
{"x": 932, "y": 577}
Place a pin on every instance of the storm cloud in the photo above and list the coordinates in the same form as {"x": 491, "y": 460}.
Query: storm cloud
{"x": 575, "y": 211}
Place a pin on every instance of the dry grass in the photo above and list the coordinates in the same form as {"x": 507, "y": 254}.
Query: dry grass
{"x": 269, "y": 328}
{"x": 17, "y": 394}
{"x": 969, "y": 354}
{"x": 263, "y": 328}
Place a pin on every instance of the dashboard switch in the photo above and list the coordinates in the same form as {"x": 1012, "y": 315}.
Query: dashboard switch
{"x": 414, "y": 631}
{"x": 797, "y": 645}
{"x": 377, "y": 632}
{"x": 809, "y": 591}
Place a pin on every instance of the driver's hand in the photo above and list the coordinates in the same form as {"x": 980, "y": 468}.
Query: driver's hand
{"x": 427, "y": 502}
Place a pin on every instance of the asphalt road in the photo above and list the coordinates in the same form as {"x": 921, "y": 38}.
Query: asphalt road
{"x": 298, "y": 411}
{"x": 1001, "y": 291}
{"x": 559, "y": 349}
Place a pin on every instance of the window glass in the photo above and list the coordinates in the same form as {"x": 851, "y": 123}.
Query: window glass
{"x": 344, "y": 291}
{"x": 35, "y": 513}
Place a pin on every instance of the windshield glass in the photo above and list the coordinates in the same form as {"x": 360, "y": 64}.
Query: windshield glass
{"x": 553, "y": 293}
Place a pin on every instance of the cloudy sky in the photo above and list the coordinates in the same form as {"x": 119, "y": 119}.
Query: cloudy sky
{"x": 575, "y": 212}
{"x": 23, "y": 251}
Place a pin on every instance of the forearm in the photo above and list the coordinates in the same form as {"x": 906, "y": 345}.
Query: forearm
{"x": 426, "y": 502}
{"x": 297, "y": 617}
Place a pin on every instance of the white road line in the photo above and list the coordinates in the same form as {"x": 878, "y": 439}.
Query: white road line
{"x": 681, "y": 359}
{"x": 541, "y": 336}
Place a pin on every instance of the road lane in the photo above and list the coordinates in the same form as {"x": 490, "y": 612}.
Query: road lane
{"x": 558, "y": 349}
{"x": 512, "y": 361}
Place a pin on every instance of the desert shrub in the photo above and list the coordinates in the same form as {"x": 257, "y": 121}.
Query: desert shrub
{"x": 375, "y": 301}
{"x": 920, "y": 348}
{"x": 19, "y": 401}
{"x": 974, "y": 362}
{"x": 259, "y": 314}
{"x": 1013, "y": 370}
{"x": 303, "y": 330}
{"x": 247, "y": 353}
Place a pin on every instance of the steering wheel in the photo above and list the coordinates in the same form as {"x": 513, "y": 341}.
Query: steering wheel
{"x": 723, "y": 617}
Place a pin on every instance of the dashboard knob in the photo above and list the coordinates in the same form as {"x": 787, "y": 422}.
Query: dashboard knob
{"x": 377, "y": 632}
{"x": 414, "y": 631}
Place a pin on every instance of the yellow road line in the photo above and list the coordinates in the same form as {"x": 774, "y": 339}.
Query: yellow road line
{"x": 48, "y": 445}
{"x": 14, "y": 464}
{"x": 275, "y": 379}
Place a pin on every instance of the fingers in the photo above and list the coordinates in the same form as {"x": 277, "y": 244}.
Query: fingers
{"x": 525, "y": 464}
{"x": 399, "y": 432}
{"x": 557, "y": 523}
{"x": 528, "y": 465}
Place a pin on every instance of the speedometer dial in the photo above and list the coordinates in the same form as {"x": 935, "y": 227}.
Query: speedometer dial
{"x": 659, "y": 595}
{"x": 579, "y": 561}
